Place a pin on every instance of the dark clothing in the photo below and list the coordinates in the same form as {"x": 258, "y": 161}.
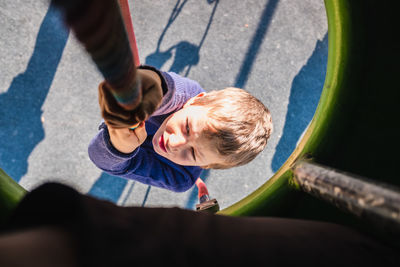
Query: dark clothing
{"x": 108, "y": 235}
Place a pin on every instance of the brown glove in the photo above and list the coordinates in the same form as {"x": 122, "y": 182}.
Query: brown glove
{"x": 118, "y": 117}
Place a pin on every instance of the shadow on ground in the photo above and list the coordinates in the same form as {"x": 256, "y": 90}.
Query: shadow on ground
{"x": 304, "y": 97}
{"x": 21, "y": 105}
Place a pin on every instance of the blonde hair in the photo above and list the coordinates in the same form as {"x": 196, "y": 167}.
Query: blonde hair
{"x": 239, "y": 125}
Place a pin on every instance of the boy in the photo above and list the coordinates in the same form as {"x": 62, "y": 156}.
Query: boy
{"x": 190, "y": 130}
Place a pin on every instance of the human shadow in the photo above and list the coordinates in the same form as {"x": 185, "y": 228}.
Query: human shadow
{"x": 186, "y": 55}
{"x": 21, "y": 105}
{"x": 158, "y": 58}
{"x": 304, "y": 97}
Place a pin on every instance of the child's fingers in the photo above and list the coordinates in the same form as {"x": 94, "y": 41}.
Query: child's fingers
{"x": 140, "y": 132}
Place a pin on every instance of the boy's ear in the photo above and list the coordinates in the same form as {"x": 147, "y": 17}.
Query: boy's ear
{"x": 191, "y": 100}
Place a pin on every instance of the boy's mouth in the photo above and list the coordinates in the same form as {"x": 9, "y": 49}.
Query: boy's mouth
{"x": 162, "y": 144}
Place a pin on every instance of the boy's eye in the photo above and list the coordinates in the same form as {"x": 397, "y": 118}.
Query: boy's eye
{"x": 188, "y": 132}
{"x": 193, "y": 154}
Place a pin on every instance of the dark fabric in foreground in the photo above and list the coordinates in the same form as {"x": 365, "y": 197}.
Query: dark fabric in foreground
{"x": 108, "y": 235}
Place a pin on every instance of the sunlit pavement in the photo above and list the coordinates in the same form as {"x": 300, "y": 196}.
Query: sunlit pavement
{"x": 277, "y": 50}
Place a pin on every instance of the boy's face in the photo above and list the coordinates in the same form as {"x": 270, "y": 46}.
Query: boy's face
{"x": 180, "y": 137}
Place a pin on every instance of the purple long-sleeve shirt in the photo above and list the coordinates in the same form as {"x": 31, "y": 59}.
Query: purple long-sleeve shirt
{"x": 144, "y": 164}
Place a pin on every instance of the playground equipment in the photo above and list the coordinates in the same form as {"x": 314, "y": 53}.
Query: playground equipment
{"x": 353, "y": 130}
{"x": 353, "y": 134}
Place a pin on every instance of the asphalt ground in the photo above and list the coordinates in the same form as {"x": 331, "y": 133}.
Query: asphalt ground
{"x": 277, "y": 50}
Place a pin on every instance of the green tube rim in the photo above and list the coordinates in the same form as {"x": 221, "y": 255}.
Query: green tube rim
{"x": 281, "y": 183}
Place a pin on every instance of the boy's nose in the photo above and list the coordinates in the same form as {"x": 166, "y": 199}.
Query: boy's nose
{"x": 176, "y": 141}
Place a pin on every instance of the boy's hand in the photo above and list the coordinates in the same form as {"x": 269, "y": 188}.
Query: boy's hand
{"x": 126, "y": 140}
{"x": 118, "y": 117}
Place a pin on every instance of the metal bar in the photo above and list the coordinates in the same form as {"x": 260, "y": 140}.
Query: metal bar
{"x": 100, "y": 26}
{"x": 375, "y": 202}
{"x": 126, "y": 15}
